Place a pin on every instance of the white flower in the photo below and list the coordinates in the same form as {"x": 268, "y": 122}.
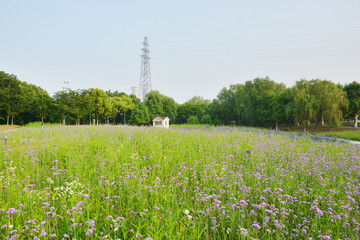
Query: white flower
{"x": 189, "y": 217}
{"x": 186, "y": 212}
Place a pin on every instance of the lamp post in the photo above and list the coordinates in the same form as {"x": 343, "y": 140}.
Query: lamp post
{"x": 64, "y": 88}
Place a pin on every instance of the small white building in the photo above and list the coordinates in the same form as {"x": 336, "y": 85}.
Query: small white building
{"x": 161, "y": 122}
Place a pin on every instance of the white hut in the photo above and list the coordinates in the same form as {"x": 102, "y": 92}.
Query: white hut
{"x": 161, "y": 122}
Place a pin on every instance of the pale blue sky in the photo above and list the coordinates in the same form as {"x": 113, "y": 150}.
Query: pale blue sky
{"x": 197, "y": 47}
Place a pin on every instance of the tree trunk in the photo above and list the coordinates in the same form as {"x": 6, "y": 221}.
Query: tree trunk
{"x": 12, "y": 119}
{"x": 356, "y": 119}
{"x": 42, "y": 118}
{"x": 124, "y": 118}
{"x": 7, "y": 119}
{"x": 276, "y": 125}
{"x": 322, "y": 121}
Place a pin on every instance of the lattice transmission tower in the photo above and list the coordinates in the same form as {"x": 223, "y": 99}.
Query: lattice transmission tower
{"x": 145, "y": 74}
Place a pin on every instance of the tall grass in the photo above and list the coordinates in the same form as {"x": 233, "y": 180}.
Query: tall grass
{"x": 116, "y": 182}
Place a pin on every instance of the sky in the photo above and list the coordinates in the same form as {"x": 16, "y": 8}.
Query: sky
{"x": 196, "y": 47}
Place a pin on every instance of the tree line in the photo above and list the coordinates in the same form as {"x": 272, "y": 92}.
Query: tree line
{"x": 259, "y": 102}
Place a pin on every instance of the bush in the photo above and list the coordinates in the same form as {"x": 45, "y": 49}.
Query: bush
{"x": 206, "y": 119}
{"x": 193, "y": 120}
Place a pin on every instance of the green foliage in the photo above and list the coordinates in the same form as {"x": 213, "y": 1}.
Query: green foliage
{"x": 122, "y": 105}
{"x": 317, "y": 100}
{"x": 255, "y": 93}
{"x": 170, "y": 108}
{"x": 193, "y": 120}
{"x": 99, "y": 104}
{"x": 161, "y": 106}
{"x": 140, "y": 115}
{"x": 12, "y": 96}
{"x": 189, "y": 109}
{"x": 115, "y": 93}
{"x": 199, "y": 100}
{"x": 224, "y": 107}
{"x": 353, "y": 93}
{"x": 259, "y": 102}
{"x": 155, "y": 104}
{"x": 206, "y": 119}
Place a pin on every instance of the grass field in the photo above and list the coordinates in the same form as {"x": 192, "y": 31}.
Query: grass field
{"x": 351, "y": 135}
{"x": 114, "y": 182}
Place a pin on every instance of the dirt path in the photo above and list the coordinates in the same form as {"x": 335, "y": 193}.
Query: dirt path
{"x": 8, "y": 130}
{"x": 356, "y": 143}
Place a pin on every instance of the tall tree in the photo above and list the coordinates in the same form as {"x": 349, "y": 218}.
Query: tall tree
{"x": 353, "y": 93}
{"x": 140, "y": 115}
{"x": 12, "y": 98}
{"x": 154, "y": 102}
{"x": 170, "y": 108}
{"x": 305, "y": 102}
{"x": 62, "y": 104}
{"x": 199, "y": 100}
{"x": 116, "y": 93}
{"x": 80, "y": 103}
{"x": 187, "y": 110}
{"x": 122, "y": 105}
{"x": 255, "y": 93}
{"x": 99, "y": 103}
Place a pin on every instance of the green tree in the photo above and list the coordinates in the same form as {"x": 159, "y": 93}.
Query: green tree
{"x": 305, "y": 102}
{"x": 333, "y": 99}
{"x": 154, "y": 102}
{"x": 62, "y": 104}
{"x": 43, "y": 103}
{"x": 136, "y": 101}
{"x": 228, "y": 106}
{"x": 187, "y": 110}
{"x": 199, "y": 100}
{"x": 170, "y": 108}
{"x": 353, "y": 93}
{"x": 116, "y": 93}
{"x": 284, "y": 108}
{"x": 79, "y": 104}
{"x": 122, "y": 105}
{"x": 206, "y": 119}
{"x": 140, "y": 115}
{"x": 255, "y": 94}
{"x": 319, "y": 100}
{"x": 193, "y": 120}
{"x": 99, "y": 104}
{"x": 12, "y": 97}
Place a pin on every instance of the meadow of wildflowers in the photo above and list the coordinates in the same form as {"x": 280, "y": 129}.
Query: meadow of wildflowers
{"x": 114, "y": 182}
